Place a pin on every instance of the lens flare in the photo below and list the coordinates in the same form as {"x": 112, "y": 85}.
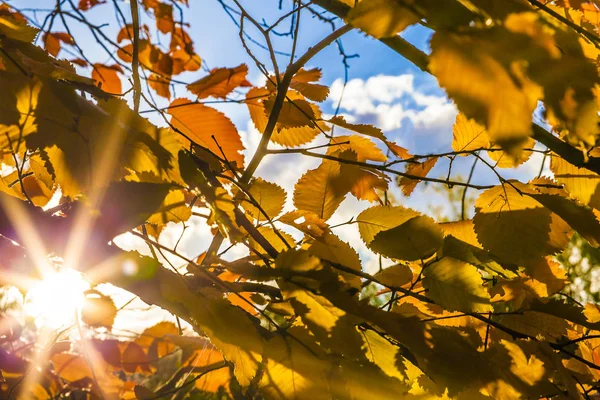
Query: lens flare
{"x": 54, "y": 300}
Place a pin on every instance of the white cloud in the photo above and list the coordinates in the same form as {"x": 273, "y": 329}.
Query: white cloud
{"x": 359, "y": 95}
{"x": 393, "y": 102}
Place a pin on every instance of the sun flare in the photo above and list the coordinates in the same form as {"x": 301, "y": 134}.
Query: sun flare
{"x": 54, "y": 300}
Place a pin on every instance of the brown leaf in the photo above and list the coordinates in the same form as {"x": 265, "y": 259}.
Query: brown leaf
{"x": 85, "y": 5}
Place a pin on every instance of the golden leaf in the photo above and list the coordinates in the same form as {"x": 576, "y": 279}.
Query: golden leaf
{"x": 415, "y": 239}
{"x": 269, "y": 196}
{"x": 322, "y": 190}
{"x": 516, "y": 227}
{"x": 456, "y": 286}
{"x": 381, "y": 18}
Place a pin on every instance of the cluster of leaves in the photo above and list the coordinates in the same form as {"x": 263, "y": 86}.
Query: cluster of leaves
{"x": 473, "y": 306}
{"x": 109, "y": 368}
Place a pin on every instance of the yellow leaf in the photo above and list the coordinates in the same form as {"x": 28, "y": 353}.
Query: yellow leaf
{"x": 172, "y": 209}
{"x": 462, "y": 230}
{"x": 220, "y": 82}
{"x": 368, "y": 130}
{"x": 366, "y": 183}
{"x": 585, "y": 220}
{"x": 303, "y": 83}
{"x": 395, "y": 275}
{"x": 382, "y": 18}
{"x": 516, "y": 227}
{"x": 581, "y": 183}
{"x": 286, "y": 136}
{"x": 322, "y": 190}
{"x": 505, "y": 160}
{"x": 201, "y": 123}
{"x": 274, "y": 239}
{"x": 456, "y": 286}
{"x": 71, "y": 367}
{"x": 381, "y": 218}
{"x": 37, "y": 191}
{"x": 134, "y": 358}
{"x": 14, "y": 29}
{"x": 295, "y": 112}
{"x": 415, "y": 239}
{"x": 158, "y": 331}
{"x": 161, "y": 85}
{"x": 331, "y": 248}
{"x": 468, "y": 135}
{"x": 269, "y": 196}
{"x": 467, "y": 66}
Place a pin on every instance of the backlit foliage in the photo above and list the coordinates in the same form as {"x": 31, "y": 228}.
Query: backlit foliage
{"x": 471, "y": 307}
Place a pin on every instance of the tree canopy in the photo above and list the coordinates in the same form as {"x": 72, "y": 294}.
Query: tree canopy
{"x": 463, "y": 306}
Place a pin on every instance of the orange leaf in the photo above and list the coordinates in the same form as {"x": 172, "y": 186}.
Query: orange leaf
{"x": 220, "y": 82}
{"x": 418, "y": 170}
{"x": 135, "y": 359}
{"x": 398, "y": 151}
{"x": 71, "y": 367}
{"x": 161, "y": 85}
{"x": 164, "y": 17}
{"x": 107, "y": 77}
{"x": 79, "y": 61}
{"x": 200, "y": 123}
{"x": 52, "y": 41}
{"x": 185, "y": 61}
{"x": 244, "y": 301}
{"x": 158, "y": 331}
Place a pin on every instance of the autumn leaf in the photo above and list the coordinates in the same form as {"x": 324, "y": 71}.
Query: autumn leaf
{"x": 396, "y": 275}
{"x": 581, "y": 183}
{"x": 304, "y": 82}
{"x": 303, "y": 118}
{"x": 381, "y": 18}
{"x": 468, "y": 135}
{"x": 107, "y": 77}
{"x": 456, "y": 285}
{"x": 98, "y": 310}
{"x": 469, "y": 76}
{"x": 322, "y": 190}
{"x": 208, "y": 128}
{"x": 220, "y": 82}
{"x": 85, "y": 5}
{"x": 270, "y": 197}
{"x": 416, "y": 239}
{"x": 515, "y": 226}
{"x": 415, "y": 170}
{"x": 52, "y": 41}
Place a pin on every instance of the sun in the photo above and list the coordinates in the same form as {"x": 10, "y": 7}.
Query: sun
{"x": 54, "y": 300}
